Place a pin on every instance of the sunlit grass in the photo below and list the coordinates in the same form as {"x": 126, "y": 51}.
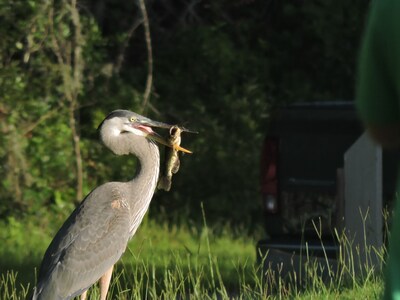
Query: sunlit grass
{"x": 167, "y": 262}
{"x": 160, "y": 256}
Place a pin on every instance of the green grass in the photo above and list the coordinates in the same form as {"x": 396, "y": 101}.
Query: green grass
{"x": 167, "y": 262}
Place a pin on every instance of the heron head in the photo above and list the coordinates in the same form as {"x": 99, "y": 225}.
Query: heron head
{"x": 123, "y": 122}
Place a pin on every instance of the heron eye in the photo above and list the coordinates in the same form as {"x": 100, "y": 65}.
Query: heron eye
{"x": 133, "y": 119}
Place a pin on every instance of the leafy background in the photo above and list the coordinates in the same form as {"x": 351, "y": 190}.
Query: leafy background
{"x": 220, "y": 67}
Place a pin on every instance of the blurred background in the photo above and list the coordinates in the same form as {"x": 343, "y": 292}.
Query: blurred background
{"x": 218, "y": 67}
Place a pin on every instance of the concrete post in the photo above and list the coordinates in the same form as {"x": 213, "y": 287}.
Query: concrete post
{"x": 363, "y": 196}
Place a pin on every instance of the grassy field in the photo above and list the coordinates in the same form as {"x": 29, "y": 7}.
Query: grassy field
{"x": 186, "y": 263}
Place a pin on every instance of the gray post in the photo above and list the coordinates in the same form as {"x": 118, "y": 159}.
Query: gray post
{"x": 363, "y": 197}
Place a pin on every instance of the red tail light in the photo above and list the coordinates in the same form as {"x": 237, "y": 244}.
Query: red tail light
{"x": 269, "y": 176}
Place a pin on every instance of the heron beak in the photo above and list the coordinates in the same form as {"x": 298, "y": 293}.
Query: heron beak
{"x": 157, "y": 138}
{"x": 179, "y": 148}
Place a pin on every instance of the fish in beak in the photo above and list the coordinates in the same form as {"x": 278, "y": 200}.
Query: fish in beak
{"x": 171, "y": 161}
{"x": 146, "y": 125}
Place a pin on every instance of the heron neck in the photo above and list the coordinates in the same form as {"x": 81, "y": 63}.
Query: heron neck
{"x": 149, "y": 166}
{"x": 145, "y": 181}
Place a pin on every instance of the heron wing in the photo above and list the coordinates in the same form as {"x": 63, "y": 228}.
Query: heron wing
{"x": 91, "y": 240}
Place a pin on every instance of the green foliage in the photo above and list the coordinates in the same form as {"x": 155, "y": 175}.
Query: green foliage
{"x": 219, "y": 69}
{"x": 314, "y": 47}
{"x": 224, "y": 78}
{"x": 225, "y": 100}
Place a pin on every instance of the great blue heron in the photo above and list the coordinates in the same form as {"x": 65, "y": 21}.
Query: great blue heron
{"x": 96, "y": 234}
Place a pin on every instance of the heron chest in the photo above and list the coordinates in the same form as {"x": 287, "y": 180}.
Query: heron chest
{"x": 136, "y": 207}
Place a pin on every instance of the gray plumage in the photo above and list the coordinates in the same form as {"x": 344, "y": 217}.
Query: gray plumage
{"x": 96, "y": 234}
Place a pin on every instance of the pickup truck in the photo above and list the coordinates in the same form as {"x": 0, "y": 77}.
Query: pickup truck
{"x": 301, "y": 180}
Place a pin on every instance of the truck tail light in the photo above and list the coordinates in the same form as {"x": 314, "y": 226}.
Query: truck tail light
{"x": 270, "y": 204}
{"x": 269, "y": 176}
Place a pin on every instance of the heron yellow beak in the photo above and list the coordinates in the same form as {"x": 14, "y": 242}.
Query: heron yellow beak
{"x": 157, "y": 138}
{"x": 147, "y": 124}
{"x": 179, "y": 148}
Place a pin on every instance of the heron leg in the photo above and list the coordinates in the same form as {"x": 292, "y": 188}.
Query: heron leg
{"x": 105, "y": 283}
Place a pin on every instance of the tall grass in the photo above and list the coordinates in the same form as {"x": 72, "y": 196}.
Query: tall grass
{"x": 9, "y": 288}
{"x": 165, "y": 262}
{"x": 356, "y": 273}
